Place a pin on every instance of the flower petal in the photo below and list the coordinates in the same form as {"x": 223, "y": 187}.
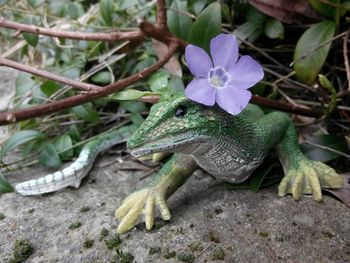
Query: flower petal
{"x": 232, "y": 99}
{"x": 224, "y": 50}
{"x": 246, "y": 73}
{"x": 198, "y": 61}
{"x": 201, "y": 91}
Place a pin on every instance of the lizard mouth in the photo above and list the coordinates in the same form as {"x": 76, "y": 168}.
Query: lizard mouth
{"x": 183, "y": 145}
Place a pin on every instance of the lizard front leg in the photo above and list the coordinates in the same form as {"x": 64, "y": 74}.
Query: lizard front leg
{"x": 302, "y": 176}
{"x": 172, "y": 175}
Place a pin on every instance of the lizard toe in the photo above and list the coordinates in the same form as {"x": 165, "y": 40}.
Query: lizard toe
{"x": 130, "y": 219}
{"x": 149, "y": 213}
{"x": 298, "y": 186}
{"x": 163, "y": 208}
{"x": 328, "y": 176}
{"x": 284, "y": 184}
{"x": 314, "y": 184}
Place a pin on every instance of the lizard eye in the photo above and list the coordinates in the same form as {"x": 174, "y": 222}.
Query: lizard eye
{"x": 180, "y": 111}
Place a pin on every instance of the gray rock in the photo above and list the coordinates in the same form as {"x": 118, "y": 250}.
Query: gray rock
{"x": 7, "y": 89}
{"x": 206, "y": 218}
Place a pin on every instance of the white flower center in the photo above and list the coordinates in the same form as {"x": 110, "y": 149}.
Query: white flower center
{"x": 218, "y": 77}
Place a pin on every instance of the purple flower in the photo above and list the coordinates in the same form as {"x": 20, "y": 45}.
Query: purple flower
{"x": 224, "y": 78}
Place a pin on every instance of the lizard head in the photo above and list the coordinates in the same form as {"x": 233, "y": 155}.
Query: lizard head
{"x": 177, "y": 125}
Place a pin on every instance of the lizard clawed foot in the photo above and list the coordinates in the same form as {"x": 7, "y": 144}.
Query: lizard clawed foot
{"x": 142, "y": 201}
{"x": 309, "y": 177}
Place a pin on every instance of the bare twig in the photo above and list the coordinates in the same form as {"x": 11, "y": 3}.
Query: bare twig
{"x": 346, "y": 58}
{"x": 48, "y": 75}
{"x": 286, "y": 78}
{"x": 51, "y": 107}
{"x": 328, "y": 149}
{"x": 282, "y": 106}
{"x": 264, "y": 54}
{"x": 333, "y": 4}
{"x": 104, "y": 36}
{"x": 182, "y": 12}
{"x": 161, "y": 14}
{"x": 316, "y": 48}
{"x": 160, "y": 34}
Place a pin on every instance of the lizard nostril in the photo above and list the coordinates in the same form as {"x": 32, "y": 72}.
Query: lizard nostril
{"x": 180, "y": 111}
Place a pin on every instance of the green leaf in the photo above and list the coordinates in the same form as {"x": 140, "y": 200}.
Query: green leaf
{"x": 28, "y": 147}
{"x": 258, "y": 89}
{"x": 133, "y": 106}
{"x": 326, "y": 9}
{"x": 73, "y": 11}
{"x": 126, "y": 4}
{"x": 24, "y": 84}
{"x": 127, "y": 94}
{"x": 31, "y": 39}
{"x": 198, "y": 6}
{"x": 18, "y": 139}
{"x": 106, "y": 9}
{"x": 256, "y": 16}
{"x": 249, "y": 30}
{"x": 226, "y": 13}
{"x": 35, "y": 3}
{"x": 308, "y": 60}
{"x": 325, "y": 82}
{"x": 259, "y": 175}
{"x": 323, "y": 155}
{"x": 63, "y": 145}
{"x": 86, "y": 112}
{"x": 74, "y": 133}
{"x": 136, "y": 118}
{"x": 178, "y": 23}
{"x": 28, "y": 124}
{"x": 102, "y": 77}
{"x": 144, "y": 64}
{"x": 274, "y": 29}
{"x": 66, "y": 56}
{"x": 72, "y": 73}
{"x": 131, "y": 94}
{"x": 329, "y": 86}
{"x": 158, "y": 81}
{"x": 58, "y": 8}
{"x": 49, "y": 87}
{"x": 3, "y": 2}
{"x": 207, "y": 26}
{"x": 270, "y": 181}
{"x": 50, "y": 62}
{"x": 176, "y": 84}
{"x": 259, "y": 179}
{"x": 5, "y": 186}
{"x": 346, "y": 5}
{"x": 49, "y": 156}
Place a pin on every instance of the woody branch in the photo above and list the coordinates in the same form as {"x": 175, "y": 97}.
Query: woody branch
{"x": 90, "y": 92}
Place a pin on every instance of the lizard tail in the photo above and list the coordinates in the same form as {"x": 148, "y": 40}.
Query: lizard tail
{"x": 74, "y": 173}
{"x": 69, "y": 176}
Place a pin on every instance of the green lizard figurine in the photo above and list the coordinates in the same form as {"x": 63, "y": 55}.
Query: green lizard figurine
{"x": 226, "y": 146}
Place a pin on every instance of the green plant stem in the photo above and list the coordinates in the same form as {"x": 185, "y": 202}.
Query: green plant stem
{"x": 337, "y": 15}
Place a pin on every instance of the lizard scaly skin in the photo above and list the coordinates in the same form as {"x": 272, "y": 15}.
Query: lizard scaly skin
{"x": 226, "y": 146}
